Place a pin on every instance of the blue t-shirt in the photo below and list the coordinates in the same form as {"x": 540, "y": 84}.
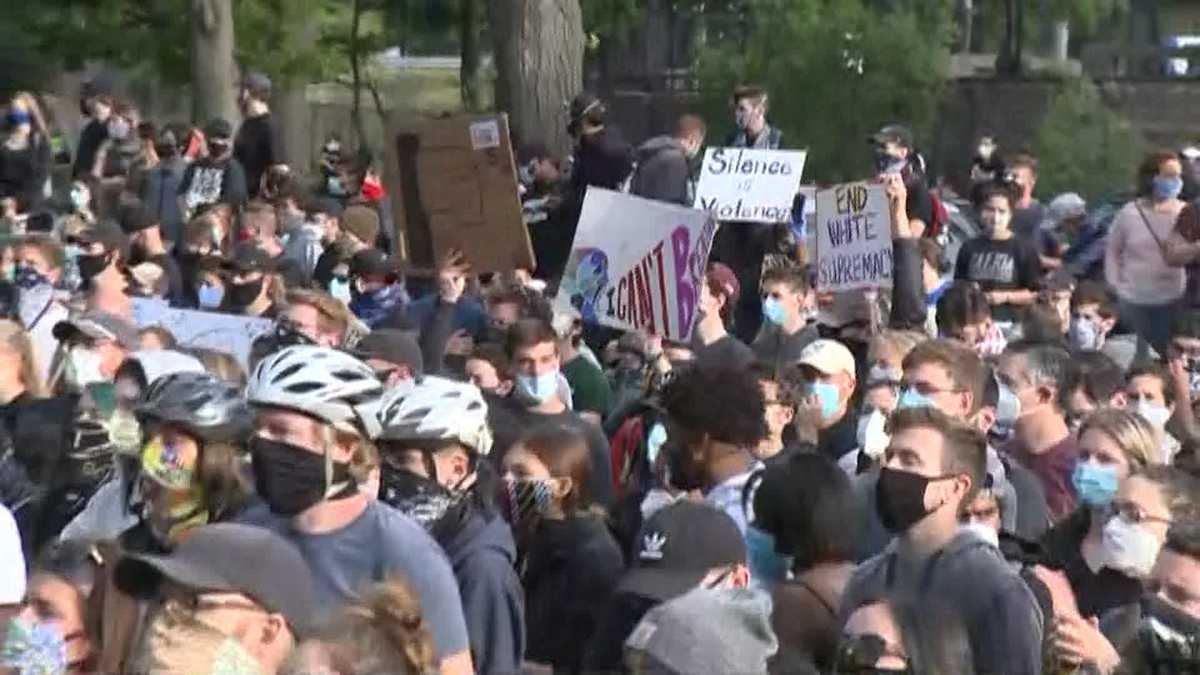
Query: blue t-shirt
{"x": 380, "y": 543}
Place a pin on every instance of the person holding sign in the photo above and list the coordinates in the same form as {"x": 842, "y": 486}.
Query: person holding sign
{"x": 1005, "y": 267}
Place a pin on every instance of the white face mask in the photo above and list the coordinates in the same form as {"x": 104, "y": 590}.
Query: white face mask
{"x": 1129, "y": 548}
{"x": 82, "y": 368}
{"x": 872, "y": 435}
{"x": 987, "y": 533}
{"x": 1153, "y": 413}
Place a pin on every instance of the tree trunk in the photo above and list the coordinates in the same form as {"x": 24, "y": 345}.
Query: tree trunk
{"x": 214, "y": 92}
{"x": 360, "y": 128}
{"x": 289, "y": 104}
{"x": 539, "y": 65}
{"x": 470, "y": 72}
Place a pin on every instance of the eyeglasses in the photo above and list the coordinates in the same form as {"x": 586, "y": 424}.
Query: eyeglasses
{"x": 1133, "y": 514}
{"x": 860, "y": 653}
{"x": 926, "y": 389}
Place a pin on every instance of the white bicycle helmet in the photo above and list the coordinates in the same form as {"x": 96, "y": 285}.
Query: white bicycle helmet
{"x": 326, "y": 383}
{"x": 436, "y": 409}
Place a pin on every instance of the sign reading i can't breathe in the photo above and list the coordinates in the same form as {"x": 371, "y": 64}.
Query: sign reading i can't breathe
{"x": 739, "y": 184}
{"x": 854, "y": 238}
{"x": 637, "y": 264}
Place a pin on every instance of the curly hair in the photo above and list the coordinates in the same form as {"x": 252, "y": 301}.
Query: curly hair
{"x": 725, "y": 403}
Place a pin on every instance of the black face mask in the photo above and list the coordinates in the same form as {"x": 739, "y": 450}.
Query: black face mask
{"x": 683, "y": 475}
{"x": 434, "y": 506}
{"x": 900, "y": 498}
{"x": 241, "y": 295}
{"x": 1169, "y": 617}
{"x": 291, "y": 479}
{"x": 286, "y": 335}
{"x": 92, "y": 265}
{"x": 218, "y": 148}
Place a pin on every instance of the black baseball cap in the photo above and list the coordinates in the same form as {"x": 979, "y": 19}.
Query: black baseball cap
{"x": 218, "y": 128}
{"x": 892, "y": 133}
{"x": 109, "y": 234}
{"x": 231, "y": 558}
{"x": 248, "y": 257}
{"x": 394, "y": 346}
{"x": 325, "y": 205}
{"x": 372, "y": 262}
{"x": 678, "y": 546}
{"x": 135, "y": 217}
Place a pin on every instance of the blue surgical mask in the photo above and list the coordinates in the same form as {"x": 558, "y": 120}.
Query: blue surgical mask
{"x": 828, "y": 395}
{"x": 1167, "y": 187}
{"x": 1095, "y": 484}
{"x": 654, "y": 442}
{"x": 911, "y": 398}
{"x": 538, "y": 388}
{"x": 767, "y": 566}
{"x": 210, "y": 297}
{"x": 340, "y": 289}
{"x": 773, "y": 311}
{"x": 1085, "y": 334}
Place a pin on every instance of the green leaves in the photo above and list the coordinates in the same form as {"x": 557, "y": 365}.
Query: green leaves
{"x": 1083, "y": 146}
{"x": 837, "y": 70}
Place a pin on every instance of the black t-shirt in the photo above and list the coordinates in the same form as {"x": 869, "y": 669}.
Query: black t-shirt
{"x": 209, "y": 181}
{"x": 920, "y": 203}
{"x": 1028, "y": 220}
{"x": 1005, "y": 265}
{"x": 255, "y": 148}
{"x": 95, "y": 133}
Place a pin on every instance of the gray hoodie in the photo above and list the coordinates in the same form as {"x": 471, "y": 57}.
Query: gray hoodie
{"x": 662, "y": 172}
{"x": 1004, "y": 624}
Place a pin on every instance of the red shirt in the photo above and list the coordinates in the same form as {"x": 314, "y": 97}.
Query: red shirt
{"x": 1053, "y": 468}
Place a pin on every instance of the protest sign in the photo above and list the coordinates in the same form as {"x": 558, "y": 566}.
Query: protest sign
{"x": 749, "y": 185}
{"x": 194, "y": 328}
{"x": 453, "y": 185}
{"x": 637, "y": 264}
{"x": 854, "y": 238}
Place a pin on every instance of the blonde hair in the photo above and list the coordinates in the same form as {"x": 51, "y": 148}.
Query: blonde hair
{"x": 14, "y": 336}
{"x": 1129, "y": 431}
{"x": 902, "y": 341}
{"x": 221, "y": 365}
{"x": 332, "y": 314}
{"x": 383, "y": 632}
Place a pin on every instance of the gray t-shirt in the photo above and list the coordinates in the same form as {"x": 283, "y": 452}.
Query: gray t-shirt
{"x": 380, "y": 543}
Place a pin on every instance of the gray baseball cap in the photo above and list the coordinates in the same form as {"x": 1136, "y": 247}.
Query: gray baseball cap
{"x": 98, "y": 326}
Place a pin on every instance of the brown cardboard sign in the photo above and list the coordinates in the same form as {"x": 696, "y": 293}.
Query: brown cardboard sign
{"x": 453, "y": 184}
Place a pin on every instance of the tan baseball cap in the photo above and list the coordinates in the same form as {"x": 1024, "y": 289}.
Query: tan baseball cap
{"x": 830, "y": 357}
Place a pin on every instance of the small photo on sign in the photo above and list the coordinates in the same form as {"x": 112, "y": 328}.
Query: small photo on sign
{"x": 485, "y": 134}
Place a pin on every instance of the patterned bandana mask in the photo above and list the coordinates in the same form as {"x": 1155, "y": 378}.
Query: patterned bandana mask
{"x": 525, "y": 500}
{"x": 33, "y": 648}
{"x": 173, "y": 498}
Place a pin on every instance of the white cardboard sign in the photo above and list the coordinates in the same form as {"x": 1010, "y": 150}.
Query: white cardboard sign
{"x": 854, "y": 238}
{"x": 739, "y": 184}
{"x": 194, "y": 328}
{"x": 637, "y": 264}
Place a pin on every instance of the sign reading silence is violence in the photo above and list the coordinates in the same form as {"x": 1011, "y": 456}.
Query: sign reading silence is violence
{"x": 637, "y": 264}
{"x": 737, "y": 184}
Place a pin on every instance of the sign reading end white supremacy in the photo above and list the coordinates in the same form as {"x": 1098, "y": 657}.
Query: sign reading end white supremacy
{"x": 637, "y": 264}
{"x": 854, "y": 238}
{"x": 749, "y": 185}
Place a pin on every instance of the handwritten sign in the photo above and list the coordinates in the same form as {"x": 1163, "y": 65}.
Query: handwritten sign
{"x": 193, "y": 328}
{"x": 749, "y": 185}
{"x": 637, "y": 264}
{"x": 854, "y": 238}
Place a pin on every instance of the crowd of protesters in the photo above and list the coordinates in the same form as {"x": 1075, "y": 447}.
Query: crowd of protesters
{"x": 990, "y": 467}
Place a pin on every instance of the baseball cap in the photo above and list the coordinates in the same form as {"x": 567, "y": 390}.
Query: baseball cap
{"x": 1066, "y": 205}
{"x": 371, "y": 262}
{"x": 727, "y": 280}
{"x": 394, "y": 346}
{"x": 107, "y": 233}
{"x": 892, "y": 133}
{"x": 248, "y": 257}
{"x": 98, "y": 326}
{"x": 325, "y": 205}
{"x": 678, "y": 546}
{"x": 830, "y": 357}
{"x": 218, "y": 128}
{"x": 230, "y": 558}
{"x": 135, "y": 217}
{"x": 257, "y": 82}
{"x": 708, "y": 631}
